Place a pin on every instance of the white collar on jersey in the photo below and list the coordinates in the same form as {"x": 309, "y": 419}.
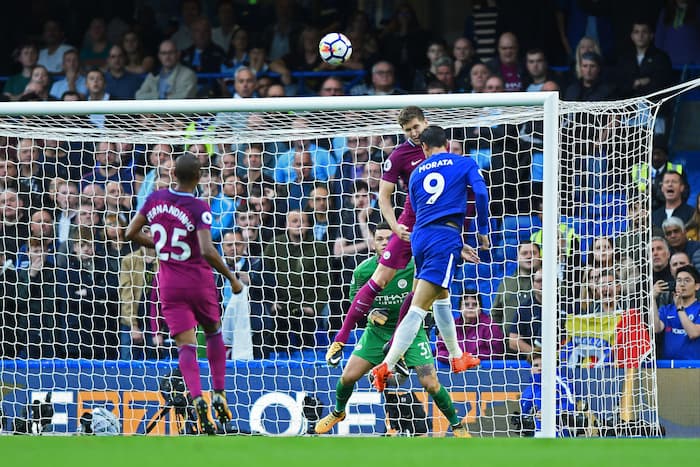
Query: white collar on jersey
{"x": 180, "y": 193}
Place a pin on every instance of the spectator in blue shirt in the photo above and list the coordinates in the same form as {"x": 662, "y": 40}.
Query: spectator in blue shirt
{"x": 680, "y": 320}
{"x": 121, "y": 84}
{"x": 73, "y": 80}
{"x": 531, "y": 400}
{"x": 223, "y": 208}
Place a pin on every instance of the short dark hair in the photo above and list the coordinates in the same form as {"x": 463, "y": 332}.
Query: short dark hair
{"x": 71, "y": 93}
{"x": 536, "y": 50}
{"x": 473, "y": 293}
{"x": 643, "y": 22}
{"x": 528, "y": 242}
{"x": 437, "y": 84}
{"x": 409, "y": 113}
{"x": 187, "y": 168}
{"x": 690, "y": 269}
{"x": 358, "y": 185}
{"x": 433, "y": 137}
{"x": 592, "y": 56}
{"x": 381, "y": 226}
{"x": 95, "y": 70}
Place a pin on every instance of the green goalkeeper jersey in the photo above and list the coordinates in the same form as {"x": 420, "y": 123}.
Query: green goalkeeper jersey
{"x": 393, "y": 294}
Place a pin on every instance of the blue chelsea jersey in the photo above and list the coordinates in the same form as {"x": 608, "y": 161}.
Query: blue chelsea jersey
{"x": 439, "y": 189}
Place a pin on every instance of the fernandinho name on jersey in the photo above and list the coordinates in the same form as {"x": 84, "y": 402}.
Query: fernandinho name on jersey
{"x": 435, "y": 164}
{"x": 393, "y": 295}
{"x": 174, "y": 211}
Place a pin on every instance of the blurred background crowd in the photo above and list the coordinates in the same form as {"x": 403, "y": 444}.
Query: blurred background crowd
{"x": 294, "y": 217}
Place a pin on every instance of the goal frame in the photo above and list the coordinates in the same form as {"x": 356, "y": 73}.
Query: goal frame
{"x": 551, "y": 154}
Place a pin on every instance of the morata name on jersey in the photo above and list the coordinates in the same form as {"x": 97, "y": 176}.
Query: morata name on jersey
{"x": 433, "y": 165}
{"x": 174, "y": 211}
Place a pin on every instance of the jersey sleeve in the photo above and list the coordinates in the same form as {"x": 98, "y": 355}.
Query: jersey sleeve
{"x": 146, "y": 205}
{"x": 391, "y": 169}
{"x": 664, "y": 312}
{"x": 481, "y": 196}
{"x": 204, "y": 219}
{"x": 359, "y": 278}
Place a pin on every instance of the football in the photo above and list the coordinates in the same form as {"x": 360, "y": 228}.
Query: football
{"x": 335, "y": 48}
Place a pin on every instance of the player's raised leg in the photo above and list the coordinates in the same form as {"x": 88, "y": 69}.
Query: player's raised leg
{"x": 406, "y": 332}
{"x": 401, "y": 162}
{"x": 394, "y": 258}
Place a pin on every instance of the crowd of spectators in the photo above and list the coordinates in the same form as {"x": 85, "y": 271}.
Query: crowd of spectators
{"x": 293, "y": 218}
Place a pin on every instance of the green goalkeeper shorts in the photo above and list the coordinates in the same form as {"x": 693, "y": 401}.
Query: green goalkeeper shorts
{"x": 373, "y": 339}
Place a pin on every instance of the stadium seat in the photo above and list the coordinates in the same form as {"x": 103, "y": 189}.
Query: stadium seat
{"x": 487, "y": 288}
{"x": 588, "y": 230}
{"x": 608, "y": 227}
{"x": 511, "y": 267}
{"x": 322, "y": 339}
{"x": 519, "y": 228}
{"x": 511, "y": 252}
{"x": 537, "y": 167}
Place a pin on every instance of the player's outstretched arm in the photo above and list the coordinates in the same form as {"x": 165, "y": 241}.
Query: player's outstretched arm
{"x": 135, "y": 231}
{"x": 209, "y": 253}
{"x": 481, "y": 198}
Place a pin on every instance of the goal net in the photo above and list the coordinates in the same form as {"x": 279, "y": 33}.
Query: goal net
{"x": 293, "y": 187}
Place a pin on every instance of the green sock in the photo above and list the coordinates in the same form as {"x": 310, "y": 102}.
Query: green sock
{"x": 342, "y": 395}
{"x": 444, "y": 403}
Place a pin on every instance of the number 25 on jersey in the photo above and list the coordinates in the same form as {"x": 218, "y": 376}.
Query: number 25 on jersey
{"x": 160, "y": 236}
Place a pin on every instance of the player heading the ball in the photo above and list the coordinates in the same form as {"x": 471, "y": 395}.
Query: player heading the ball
{"x": 180, "y": 232}
{"x": 438, "y": 190}
{"x": 401, "y": 162}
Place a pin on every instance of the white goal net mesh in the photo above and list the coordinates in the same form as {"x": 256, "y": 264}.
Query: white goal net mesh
{"x": 80, "y": 315}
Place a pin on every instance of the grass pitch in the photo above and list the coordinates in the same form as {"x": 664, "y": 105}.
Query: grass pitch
{"x": 329, "y": 451}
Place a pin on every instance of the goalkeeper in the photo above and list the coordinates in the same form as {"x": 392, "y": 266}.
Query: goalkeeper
{"x": 381, "y": 322}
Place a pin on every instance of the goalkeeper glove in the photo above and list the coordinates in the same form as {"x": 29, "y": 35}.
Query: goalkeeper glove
{"x": 378, "y": 316}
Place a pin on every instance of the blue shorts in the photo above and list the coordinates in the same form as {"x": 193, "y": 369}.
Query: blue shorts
{"x": 437, "y": 252}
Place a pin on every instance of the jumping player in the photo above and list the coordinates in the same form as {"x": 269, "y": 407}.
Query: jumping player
{"x": 180, "y": 227}
{"x": 381, "y": 322}
{"x": 403, "y": 159}
{"x": 438, "y": 191}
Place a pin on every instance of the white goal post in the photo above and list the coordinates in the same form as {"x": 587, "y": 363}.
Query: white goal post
{"x": 560, "y": 129}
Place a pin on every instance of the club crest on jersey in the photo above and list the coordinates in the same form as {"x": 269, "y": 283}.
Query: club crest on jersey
{"x": 386, "y": 255}
{"x": 387, "y": 165}
{"x": 435, "y": 164}
{"x": 402, "y": 283}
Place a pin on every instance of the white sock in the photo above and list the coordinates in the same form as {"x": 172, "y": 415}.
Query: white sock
{"x": 442, "y": 312}
{"x": 404, "y": 335}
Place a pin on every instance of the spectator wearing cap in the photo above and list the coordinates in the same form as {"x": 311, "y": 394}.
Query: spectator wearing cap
{"x": 590, "y": 86}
